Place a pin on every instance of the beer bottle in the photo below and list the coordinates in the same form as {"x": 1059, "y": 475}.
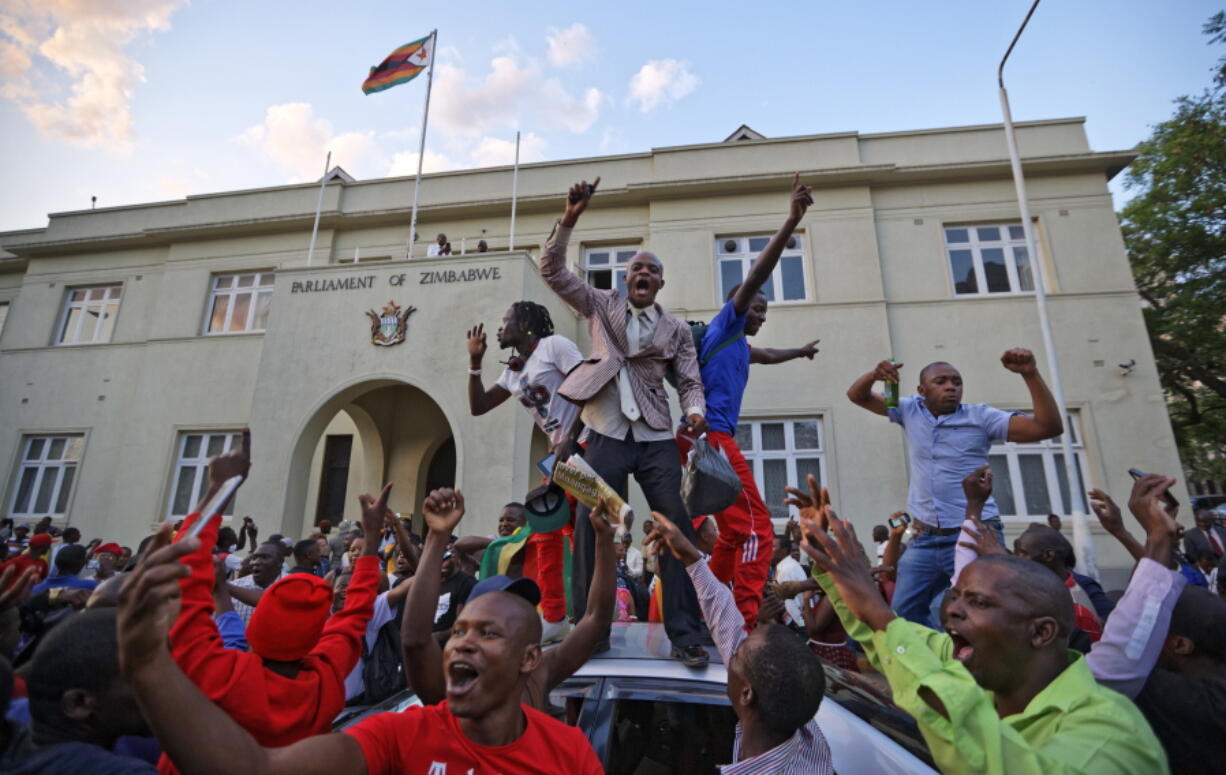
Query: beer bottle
{"x": 891, "y": 392}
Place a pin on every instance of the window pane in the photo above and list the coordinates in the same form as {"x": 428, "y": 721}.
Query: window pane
{"x": 1034, "y": 485}
{"x": 238, "y": 318}
{"x": 78, "y": 296}
{"x": 35, "y": 450}
{"x": 191, "y": 446}
{"x": 988, "y": 234}
{"x": 183, "y": 490}
{"x": 774, "y": 480}
{"x": 805, "y": 433}
{"x": 772, "y": 435}
{"x": 994, "y": 270}
{"x": 624, "y": 256}
{"x": 115, "y": 292}
{"x": 45, "y": 488}
{"x": 262, "y": 305}
{"x": 217, "y": 444}
{"x": 56, "y": 449}
{"x": 89, "y": 321}
{"x": 619, "y": 280}
{"x": 1017, "y": 232}
{"x": 963, "y": 265}
{"x": 69, "y": 334}
{"x": 758, "y": 244}
{"x": 806, "y": 466}
{"x": 246, "y": 280}
{"x": 597, "y": 259}
{"x": 268, "y": 277}
{"x": 225, "y": 281}
{"x": 75, "y": 444}
{"x": 729, "y": 276}
{"x": 744, "y": 436}
{"x": 21, "y": 504}
{"x": 217, "y": 322}
{"x": 1002, "y": 485}
{"x": 61, "y": 503}
{"x": 96, "y": 294}
{"x": 1025, "y": 279}
{"x": 793, "y": 271}
{"x": 1062, "y": 476}
{"x": 957, "y": 235}
{"x": 602, "y": 280}
{"x": 768, "y": 290}
{"x": 107, "y": 324}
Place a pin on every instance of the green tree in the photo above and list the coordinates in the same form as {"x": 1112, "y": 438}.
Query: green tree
{"x": 1176, "y": 240}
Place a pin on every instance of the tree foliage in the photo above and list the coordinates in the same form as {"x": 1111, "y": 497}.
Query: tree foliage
{"x": 1176, "y": 240}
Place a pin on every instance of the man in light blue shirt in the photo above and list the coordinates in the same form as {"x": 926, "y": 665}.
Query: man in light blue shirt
{"x": 947, "y": 440}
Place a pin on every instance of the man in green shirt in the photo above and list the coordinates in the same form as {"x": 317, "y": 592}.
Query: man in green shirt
{"x": 1001, "y": 692}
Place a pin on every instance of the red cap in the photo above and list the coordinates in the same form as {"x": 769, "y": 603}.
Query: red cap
{"x": 113, "y": 548}
{"x": 287, "y": 623}
{"x": 40, "y": 540}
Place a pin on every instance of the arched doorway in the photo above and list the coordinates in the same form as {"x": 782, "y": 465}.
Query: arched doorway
{"x": 365, "y": 435}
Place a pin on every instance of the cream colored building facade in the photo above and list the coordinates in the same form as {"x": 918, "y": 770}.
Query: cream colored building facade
{"x": 137, "y": 340}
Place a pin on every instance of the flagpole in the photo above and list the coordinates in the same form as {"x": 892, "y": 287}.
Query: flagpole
{"x": 421, "y": 150}
{"x": 514, "y": 193}
{"x": 318, "y": 206}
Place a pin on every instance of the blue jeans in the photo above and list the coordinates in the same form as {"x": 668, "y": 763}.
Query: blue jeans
{"x": 923, "y": 576}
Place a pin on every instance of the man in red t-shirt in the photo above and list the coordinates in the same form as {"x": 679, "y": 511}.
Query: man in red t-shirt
{"x": 482, "y": 728}
{"x": 36, "y": 558}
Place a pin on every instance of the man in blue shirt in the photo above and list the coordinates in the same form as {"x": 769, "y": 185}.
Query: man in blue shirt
{"x": 742, "y": 554}
{"x": 68, "y": 563}
{"x": 946, "y": 441}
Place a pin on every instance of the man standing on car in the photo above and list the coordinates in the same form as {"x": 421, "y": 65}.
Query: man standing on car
{"x": 635, "y": 343}
{"x": 946, "y": 441}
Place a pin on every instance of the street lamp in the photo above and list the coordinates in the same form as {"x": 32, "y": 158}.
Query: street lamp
{"x": 1083, "y": 544}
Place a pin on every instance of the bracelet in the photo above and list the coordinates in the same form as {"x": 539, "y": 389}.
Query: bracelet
{"x": 474, "y": 372}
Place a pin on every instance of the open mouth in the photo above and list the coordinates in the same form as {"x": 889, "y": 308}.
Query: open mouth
{"x": 461, "y": 677}
{"x": 642, "y": 285}
{"x": 963, "y": 650}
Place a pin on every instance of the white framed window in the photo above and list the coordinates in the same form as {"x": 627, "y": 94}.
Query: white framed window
{"x": 988, "y": 259}
{"x": 89, "y": 315}
{"x": 1029, "y": 481}
{"x": 191, "y": 476}
{"x": 782, "y": 453}
{"x": 605, "y": 267}
{"x": 45, "y": 475}
{"x": 734, "y": 256}
{"x": 239, "y": 303}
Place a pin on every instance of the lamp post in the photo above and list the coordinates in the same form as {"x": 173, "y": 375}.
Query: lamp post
{"x": 1083, "y": 544}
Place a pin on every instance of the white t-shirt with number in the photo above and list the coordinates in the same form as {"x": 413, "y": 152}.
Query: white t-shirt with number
{"x": 535, "y": 386}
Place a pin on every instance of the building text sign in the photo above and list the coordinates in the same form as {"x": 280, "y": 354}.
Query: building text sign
{"x": 422, "y": 277}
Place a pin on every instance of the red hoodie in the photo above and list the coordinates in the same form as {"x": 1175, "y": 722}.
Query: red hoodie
{"x": 276, "y": 710}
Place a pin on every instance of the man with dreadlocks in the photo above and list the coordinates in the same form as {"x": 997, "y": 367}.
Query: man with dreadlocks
{"x": 539, "y": 362}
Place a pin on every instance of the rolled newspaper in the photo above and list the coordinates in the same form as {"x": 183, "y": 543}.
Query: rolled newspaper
{"x": 577, "y": 478}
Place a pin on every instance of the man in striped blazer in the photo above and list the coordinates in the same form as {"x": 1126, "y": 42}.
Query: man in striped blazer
{"x": 635, "y": 344}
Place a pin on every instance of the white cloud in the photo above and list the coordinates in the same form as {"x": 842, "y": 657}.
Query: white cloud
{"x": 661, "y": 82}
{"x": 297, "y": 141}
{"x": 405, "y": 163}
{"x": 497, "y": 152}
{"x": 570, "y": 47}
{"x": 86, "y": 41}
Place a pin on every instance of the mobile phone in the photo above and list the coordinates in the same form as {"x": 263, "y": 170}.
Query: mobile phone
{"x": 215, "y": 505}
{"x": 1170, "y": 499}
{"x": 545, "y": 464}
{"x": 903, "y": 519}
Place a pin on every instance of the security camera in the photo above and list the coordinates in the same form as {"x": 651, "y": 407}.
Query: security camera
{"x": 1129, "y": 365}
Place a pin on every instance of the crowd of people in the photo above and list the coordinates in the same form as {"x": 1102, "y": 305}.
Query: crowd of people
{"x": 209, "y": 650}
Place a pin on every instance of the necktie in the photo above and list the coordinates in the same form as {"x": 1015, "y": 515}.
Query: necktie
{"x": 636, "y": 331}
{"x": 1215, "y": 543}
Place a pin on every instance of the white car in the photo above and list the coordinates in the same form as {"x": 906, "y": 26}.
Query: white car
{"x": 645, "y": 713}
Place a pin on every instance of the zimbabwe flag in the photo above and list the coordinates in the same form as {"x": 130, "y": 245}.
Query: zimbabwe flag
{"x": 402, "y": 65}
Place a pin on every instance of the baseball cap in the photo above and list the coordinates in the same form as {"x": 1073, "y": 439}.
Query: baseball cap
{"x": 524, "y": 587}
{"x": 547, "y": 509}
{"x": 40, "y": 540}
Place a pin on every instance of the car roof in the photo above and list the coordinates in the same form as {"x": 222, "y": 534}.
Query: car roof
{"x": 639, "y": 648}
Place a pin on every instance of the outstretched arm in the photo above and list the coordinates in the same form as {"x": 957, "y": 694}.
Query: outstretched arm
{"x": 570, "y": 655}
{"x": 764, "y": 264}
{"x": 481, "y": 400}
{"x": 769, "y": 356}
{"x": 1046, "y": 422}
{"x": 573, "y": 290}
{"x": 861, "y": 391}
{"x": 423, "y": 657}
{"x": 1112, "y": 520}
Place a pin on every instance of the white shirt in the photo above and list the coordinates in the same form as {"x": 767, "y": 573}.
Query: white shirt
{"x": 881, "y": 545}
{"x": 382, "y": 615}
{"x": 536, "y": 386}
{"x": 790, "y": 570}
{"x": 433, "y": 250}
{"x": 634, "y": 562}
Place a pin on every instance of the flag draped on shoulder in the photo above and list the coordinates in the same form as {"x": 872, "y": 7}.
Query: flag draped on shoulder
{"x": 401, "y": 66}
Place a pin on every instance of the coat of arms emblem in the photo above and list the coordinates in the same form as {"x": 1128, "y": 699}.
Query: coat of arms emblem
{"x": 389, "y": 326}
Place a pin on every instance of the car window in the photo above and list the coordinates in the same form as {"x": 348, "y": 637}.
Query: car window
{"x": 674, "y": 726}
{"x": 876, "y": 708}
{"x": 574, "y": 702}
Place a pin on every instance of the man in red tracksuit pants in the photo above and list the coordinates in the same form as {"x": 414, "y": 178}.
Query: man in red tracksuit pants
{"x": 742, "y": 552}
{"x": 292, "y": 683}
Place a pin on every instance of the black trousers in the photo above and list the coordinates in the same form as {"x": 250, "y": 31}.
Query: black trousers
{"x": 656, "y": 467}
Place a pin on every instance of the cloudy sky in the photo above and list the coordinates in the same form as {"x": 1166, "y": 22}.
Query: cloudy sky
{"x": 144, "y": 100}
